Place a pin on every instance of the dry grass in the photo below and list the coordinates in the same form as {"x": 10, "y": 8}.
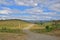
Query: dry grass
{"x": 37, "y": 27}
{"x": 13, "y": 24}
{"x": 11, "y": 36}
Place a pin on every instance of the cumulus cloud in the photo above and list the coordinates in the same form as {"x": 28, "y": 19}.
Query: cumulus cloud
{"x": 7, "y": 2}
{"x": 39, "y": 11}
{"x": 26, "y": 2}
{"x": 35, "y": 10}
{"x": 6, "y": 10}
{"x": 55, "y": 7}
{"x": 36, "y": 13}
{"x": 51, "y": 4}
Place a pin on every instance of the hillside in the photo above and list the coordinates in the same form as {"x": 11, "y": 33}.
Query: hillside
{"x": 13, "y": 24}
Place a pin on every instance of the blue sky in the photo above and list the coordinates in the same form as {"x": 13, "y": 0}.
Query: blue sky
{"x": 30, "y": 9}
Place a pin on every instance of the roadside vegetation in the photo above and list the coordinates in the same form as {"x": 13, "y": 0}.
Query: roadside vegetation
{"x": 51, "y": 28}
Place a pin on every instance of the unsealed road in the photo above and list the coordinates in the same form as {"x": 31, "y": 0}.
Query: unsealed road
{"x": 36, "y": 36}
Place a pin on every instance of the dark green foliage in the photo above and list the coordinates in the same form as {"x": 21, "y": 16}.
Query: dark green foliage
{"x": 48, "y": 28}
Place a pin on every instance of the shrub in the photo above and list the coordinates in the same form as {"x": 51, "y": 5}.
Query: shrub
{"x": 48, "y": 28}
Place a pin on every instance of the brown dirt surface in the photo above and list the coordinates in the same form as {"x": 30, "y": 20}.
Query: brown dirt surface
{"x": 11, "y": 36}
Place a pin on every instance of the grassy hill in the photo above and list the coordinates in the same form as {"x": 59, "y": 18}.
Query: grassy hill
{"x": 13, "y": 24}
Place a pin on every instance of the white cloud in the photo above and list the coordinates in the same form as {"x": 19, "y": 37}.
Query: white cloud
{"x": 5, "y": 10}
{"x": 39, "y": 11}
{"x": 37, "y": 17}
{"x": 26, "y": 2}
{"x": 29, "y": 2}
{"x": 7, "y": 2}
{"x": 35, "y": 2}
{"x": 55, "y": 7}
{"x": 51, "y": 4}
{"x": 35, "y": 10}
{"x": 35, "y": 14}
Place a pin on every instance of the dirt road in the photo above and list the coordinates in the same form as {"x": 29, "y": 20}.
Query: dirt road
{"x": 36, "y": 36}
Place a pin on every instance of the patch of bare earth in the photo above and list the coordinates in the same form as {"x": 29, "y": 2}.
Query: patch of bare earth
{"x": 11, "y": 36}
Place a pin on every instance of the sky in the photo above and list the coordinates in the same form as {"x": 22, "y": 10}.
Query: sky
{"x": 30, "y": 9}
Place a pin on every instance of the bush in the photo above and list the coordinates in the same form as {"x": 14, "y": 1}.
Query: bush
{"x": 48, "y": 28}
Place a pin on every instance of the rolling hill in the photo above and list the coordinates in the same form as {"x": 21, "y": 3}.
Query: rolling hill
{"x": 14, "y": 24}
